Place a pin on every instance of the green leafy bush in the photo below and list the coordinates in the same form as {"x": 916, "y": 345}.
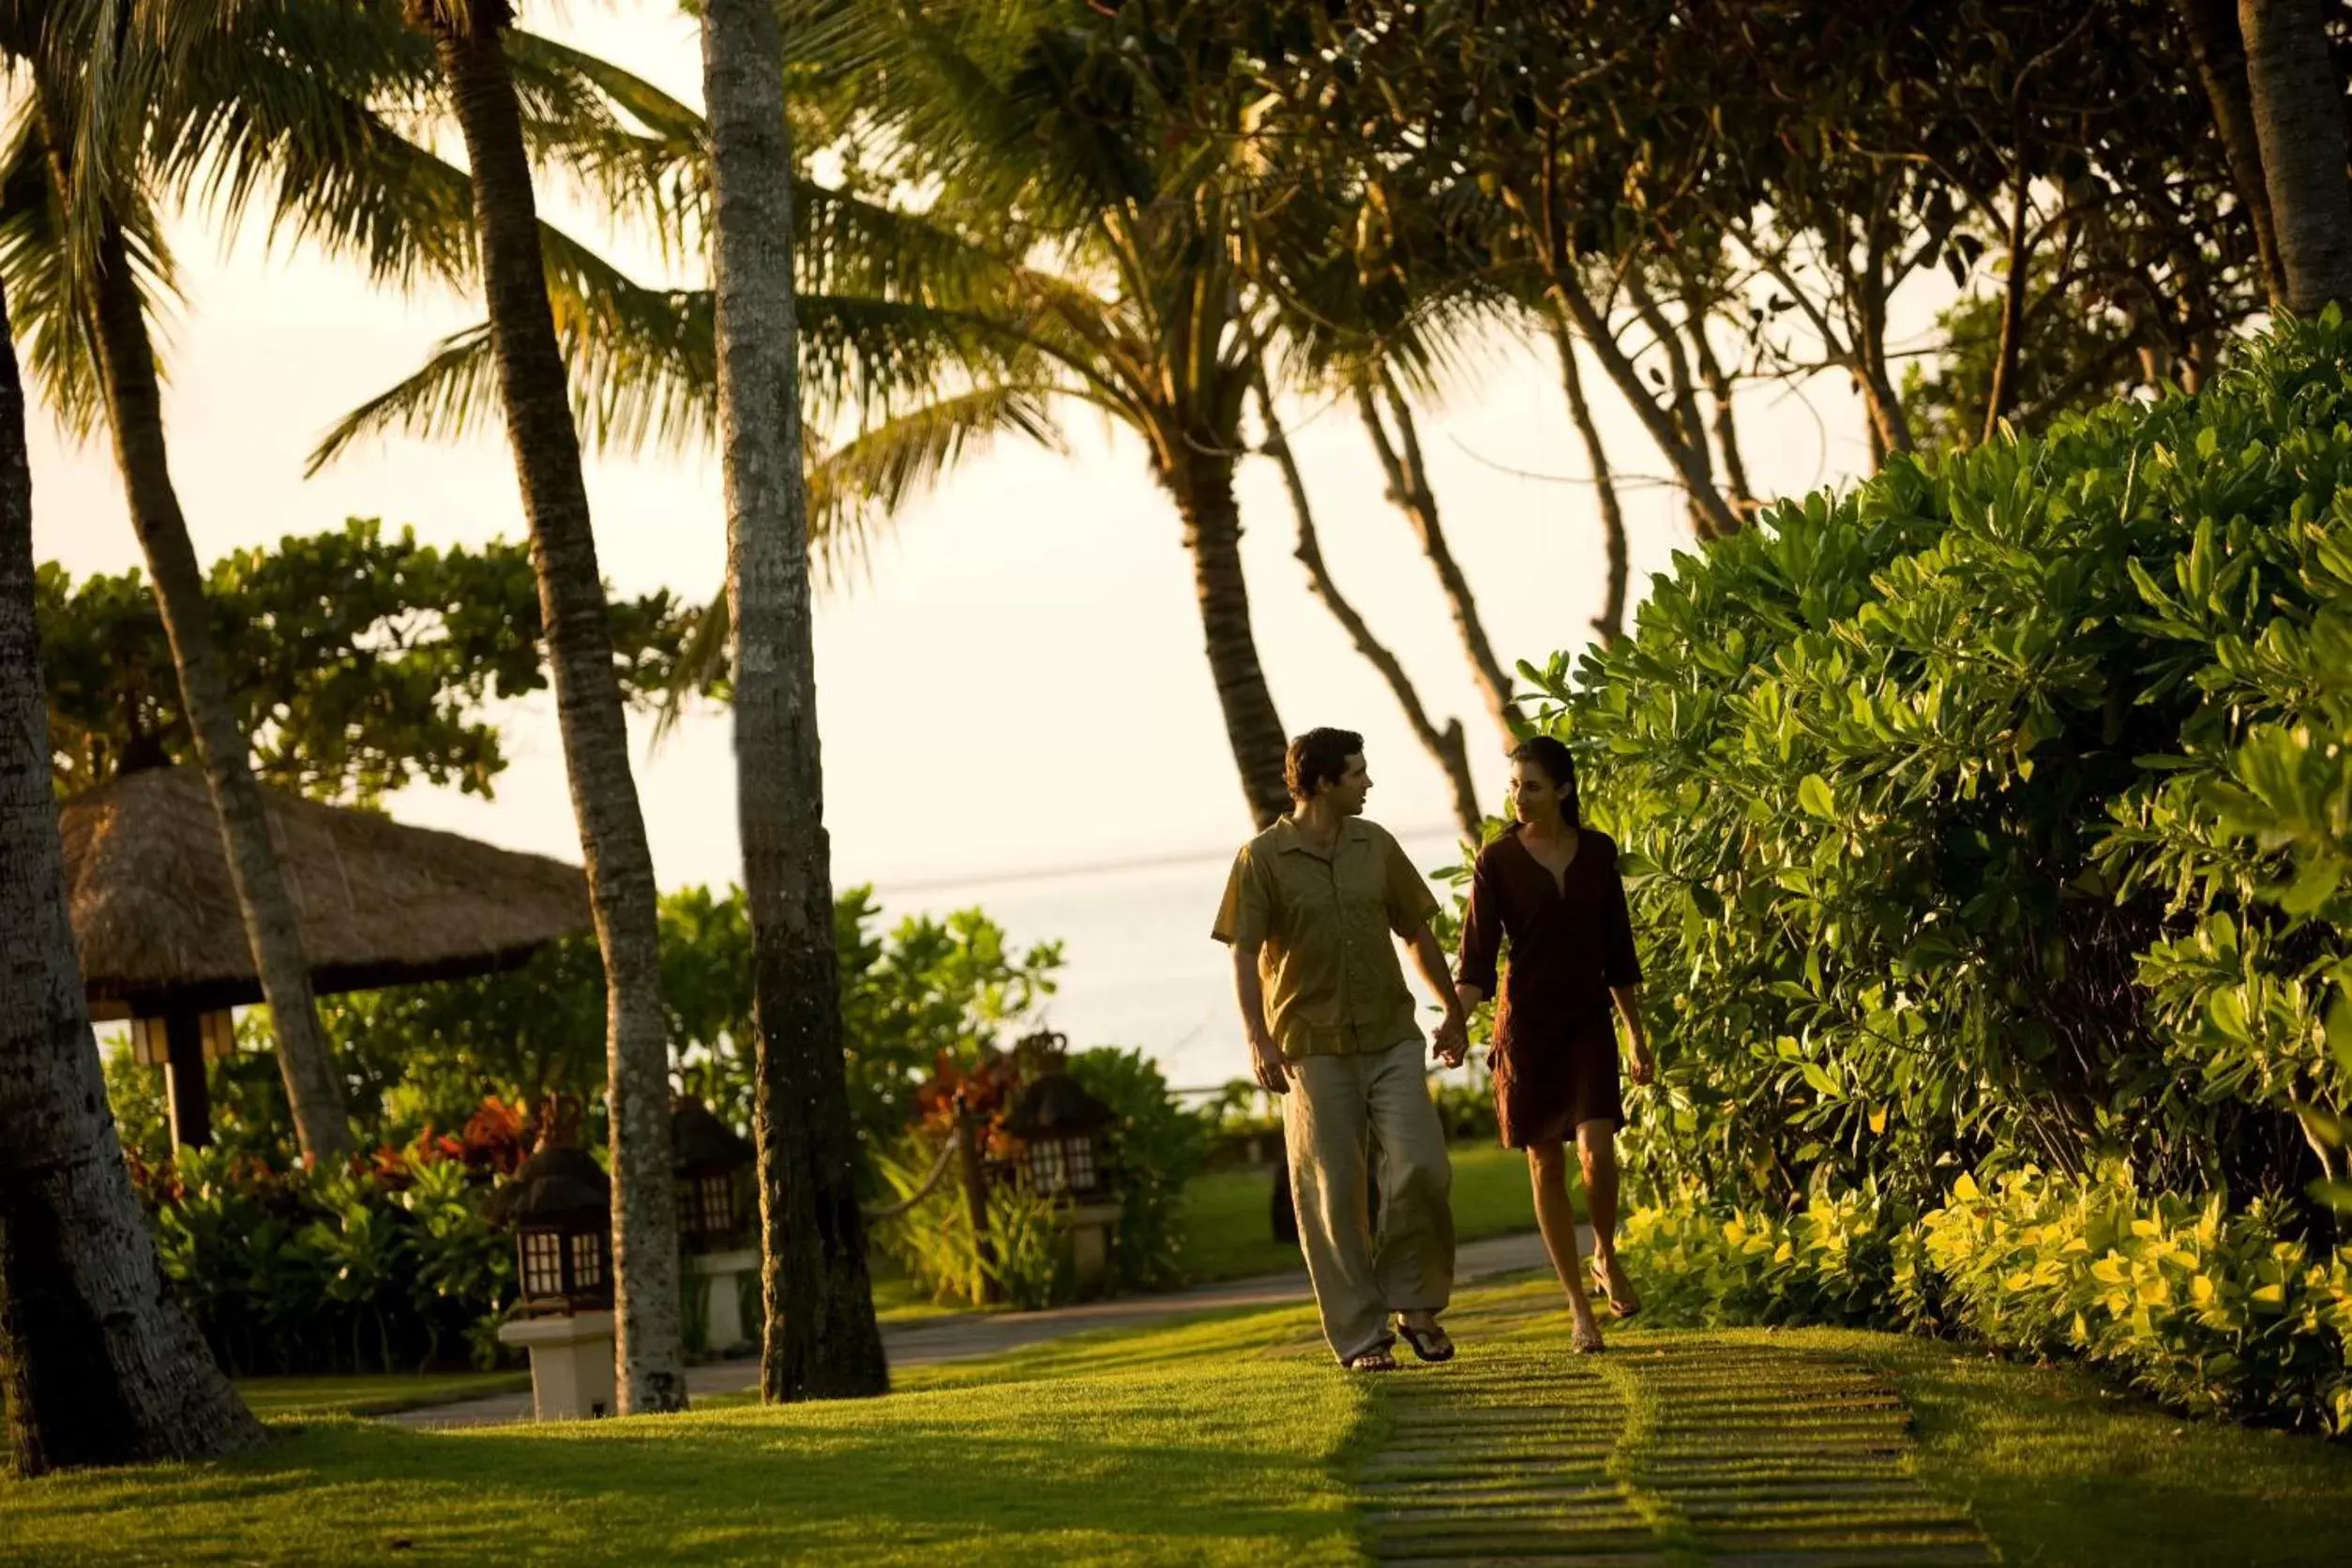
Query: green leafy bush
{"x": 2202, "y": 1308}
{"x": 385, "y": 1268}
{"x": 1996, "y": 811}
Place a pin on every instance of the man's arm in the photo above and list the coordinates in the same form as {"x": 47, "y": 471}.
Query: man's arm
{"x": 1265, "y": 1057}
{"x": 1452, "y": 1041}
{"x": 1643, "y": 1067}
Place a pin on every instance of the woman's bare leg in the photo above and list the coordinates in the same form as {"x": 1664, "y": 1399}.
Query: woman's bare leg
{"x": 1597, "y": 1147}
{"x": 1556, "y": 1215}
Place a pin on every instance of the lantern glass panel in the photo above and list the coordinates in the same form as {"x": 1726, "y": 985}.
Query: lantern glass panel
{"x": 587, "y": 1260}
{"x": 542, "y": 1263}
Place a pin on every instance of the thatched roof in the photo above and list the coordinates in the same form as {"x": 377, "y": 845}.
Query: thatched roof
{"x": 156, "y": 916}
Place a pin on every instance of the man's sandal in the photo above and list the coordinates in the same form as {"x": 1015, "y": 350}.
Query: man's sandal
{"x": 1620, "y": 1310}
{"x": 1429, "y": 1344}
{"x": 1371, "y": 1361}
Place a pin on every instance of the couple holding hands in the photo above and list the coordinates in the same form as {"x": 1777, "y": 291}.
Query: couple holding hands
{"x": 1313, "y": 911}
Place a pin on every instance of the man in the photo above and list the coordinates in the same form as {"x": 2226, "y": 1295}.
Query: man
{"x": 1308, "y": 911}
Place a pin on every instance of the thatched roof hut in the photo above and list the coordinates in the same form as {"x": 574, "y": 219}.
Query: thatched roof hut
{"x": 156, "y": 915}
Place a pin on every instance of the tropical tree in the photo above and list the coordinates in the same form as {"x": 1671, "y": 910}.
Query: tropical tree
{"x": 360, "y": 662}
{"x": 1079, "y": 253}
{"x": 468, "y": 41}
{"x": 2295, "y": 99}
{"x": 97, "y": 1364}
{"x": 821, "y": 1338}
{"x": 98, "y": 322}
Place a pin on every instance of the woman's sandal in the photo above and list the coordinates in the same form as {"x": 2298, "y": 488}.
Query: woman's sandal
{"x": 1372, "y": 1361}
{"x": 1620, "y": 1310}
{"x": 1429, "y": 1344}
{"x": 1586, "y": 1342}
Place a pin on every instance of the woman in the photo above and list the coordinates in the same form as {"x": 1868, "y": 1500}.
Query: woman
{"x": 1551, "y": 887}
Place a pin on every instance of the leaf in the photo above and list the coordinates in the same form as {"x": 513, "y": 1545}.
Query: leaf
{"x": 1821, "y": 1083}
{"x": 1814, "y": 795}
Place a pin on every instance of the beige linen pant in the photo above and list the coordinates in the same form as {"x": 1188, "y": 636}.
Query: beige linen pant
{"x": 1339, "y": 1108}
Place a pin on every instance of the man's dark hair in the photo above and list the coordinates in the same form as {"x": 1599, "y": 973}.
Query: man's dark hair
{"x": 1559, "y": 765}
{"x": 1318, "y": 757}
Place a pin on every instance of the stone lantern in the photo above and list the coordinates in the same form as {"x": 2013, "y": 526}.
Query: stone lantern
{"x": 716, "y": 1216}
{"x": 560, "y": 1207}
{"x": 1054, "y": 1129}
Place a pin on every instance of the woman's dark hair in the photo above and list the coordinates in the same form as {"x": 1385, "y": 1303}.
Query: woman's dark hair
{"x": 1318, "y": 757}
{"x": 1559, "y": 766}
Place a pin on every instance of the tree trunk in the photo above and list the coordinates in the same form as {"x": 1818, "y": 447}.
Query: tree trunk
{"x": 1201, "y": 483}
{"x": 134, "y": 407}
{"x": 1610, "y": 622}
{"x": 2297, "y": 104}
{"x": 822, "y": 1340}
{"x": 2010, "y": 352}
{"x": 98, "y": 1363}
{"x": 1448, "y": 746}
{"x": 1409, "y": 488}
{"x": 2221, "y": 58}
{"x": 648, "y": 1346}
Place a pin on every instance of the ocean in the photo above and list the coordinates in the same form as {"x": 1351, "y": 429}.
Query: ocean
{"x": 1141, "y": 968}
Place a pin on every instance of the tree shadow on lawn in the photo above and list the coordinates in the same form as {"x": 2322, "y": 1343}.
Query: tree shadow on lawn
{"x": 1142, "y": 1468}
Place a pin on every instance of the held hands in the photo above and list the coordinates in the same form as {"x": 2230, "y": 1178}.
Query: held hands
{"x": 1452, "y": 1043}
{"x": 1266, "y": 1065}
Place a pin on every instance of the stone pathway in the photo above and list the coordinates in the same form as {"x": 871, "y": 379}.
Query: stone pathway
{"x": 1667, "y": 1449}
{"x": 971, "y": 1335}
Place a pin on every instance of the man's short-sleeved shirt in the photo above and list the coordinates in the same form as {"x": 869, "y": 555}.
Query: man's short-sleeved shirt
{"x": 1323, "y": 928}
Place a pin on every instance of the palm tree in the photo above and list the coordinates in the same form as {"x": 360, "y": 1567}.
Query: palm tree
{"x": 104, "y": 305}
{"x": 1078, "y": 255}
{"x": 821, "y": 1338}
{"x": 470, "y": 42}
{"x": 97, "y": 1364}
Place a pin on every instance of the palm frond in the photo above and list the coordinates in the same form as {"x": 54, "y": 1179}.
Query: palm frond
{"x": 48, "y": 296}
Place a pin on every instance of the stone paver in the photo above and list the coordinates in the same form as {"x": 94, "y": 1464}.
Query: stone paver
{"x": 1668, "y": 1448}
{"x": 967, "y": 1335}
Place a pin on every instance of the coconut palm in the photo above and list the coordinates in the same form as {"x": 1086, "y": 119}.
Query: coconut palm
{"x": 821, "y": 1338}
{"x": 97, "y": 1364}
{"x": 1080, "y": 251}
{"x": 468, "y": 41}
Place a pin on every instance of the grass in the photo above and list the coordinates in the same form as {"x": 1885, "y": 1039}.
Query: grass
{"x": 375, "y": 1394}
{"x": 1229, "y": 1438}
{"x": 1226, "y": 1235}
{"x": 1211, "y": 1443}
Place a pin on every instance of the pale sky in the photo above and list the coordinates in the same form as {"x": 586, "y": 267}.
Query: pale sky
{"x": 1021, "y": 683}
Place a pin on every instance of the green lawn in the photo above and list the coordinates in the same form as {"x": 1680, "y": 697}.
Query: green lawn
{"x": 1215, "y": 1442}
{"x": 1226, "y": 1439}
{"x": 375, "y": 1394}
{"x": 1225, "y": 1213}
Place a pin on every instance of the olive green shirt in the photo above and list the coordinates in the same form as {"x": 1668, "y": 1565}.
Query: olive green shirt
{"x": 1322, "y": 927}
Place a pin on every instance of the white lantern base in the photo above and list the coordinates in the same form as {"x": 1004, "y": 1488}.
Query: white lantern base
{"x": 571, "y": 1364}
{"x": 1087, "y": 1226}
{"x": 722, "y": 1317}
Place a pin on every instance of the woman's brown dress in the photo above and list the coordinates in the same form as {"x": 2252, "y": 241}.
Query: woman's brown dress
{"x": 1572, "y": 942}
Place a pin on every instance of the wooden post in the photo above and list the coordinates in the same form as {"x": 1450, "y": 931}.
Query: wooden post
{"x": 976, "y": 1202}
{"x": 184, "y": 1079}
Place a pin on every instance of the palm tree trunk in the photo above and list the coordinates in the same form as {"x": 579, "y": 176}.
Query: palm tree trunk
{"x": 1448, "y": 746}
{"x": 2221, "y": 58}
{"x": 1201, "y": 481}
{"x": 2298, "y": 105}
{"x": 98, "y": 1363}
{"x": 1610, "y": 622}
{"x": 822, "y": 1339}
{"x": 649, "y": 1348}
{"x": 1409, "y": 488}
{"x": 134, "y": 406}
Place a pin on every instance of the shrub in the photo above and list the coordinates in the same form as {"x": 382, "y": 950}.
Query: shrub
{"x": 2204, "y": 1309}
{"x": 1999, "y": 810}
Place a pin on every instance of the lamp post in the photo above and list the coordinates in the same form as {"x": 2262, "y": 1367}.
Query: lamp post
{"x": 560, "y": 1206}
